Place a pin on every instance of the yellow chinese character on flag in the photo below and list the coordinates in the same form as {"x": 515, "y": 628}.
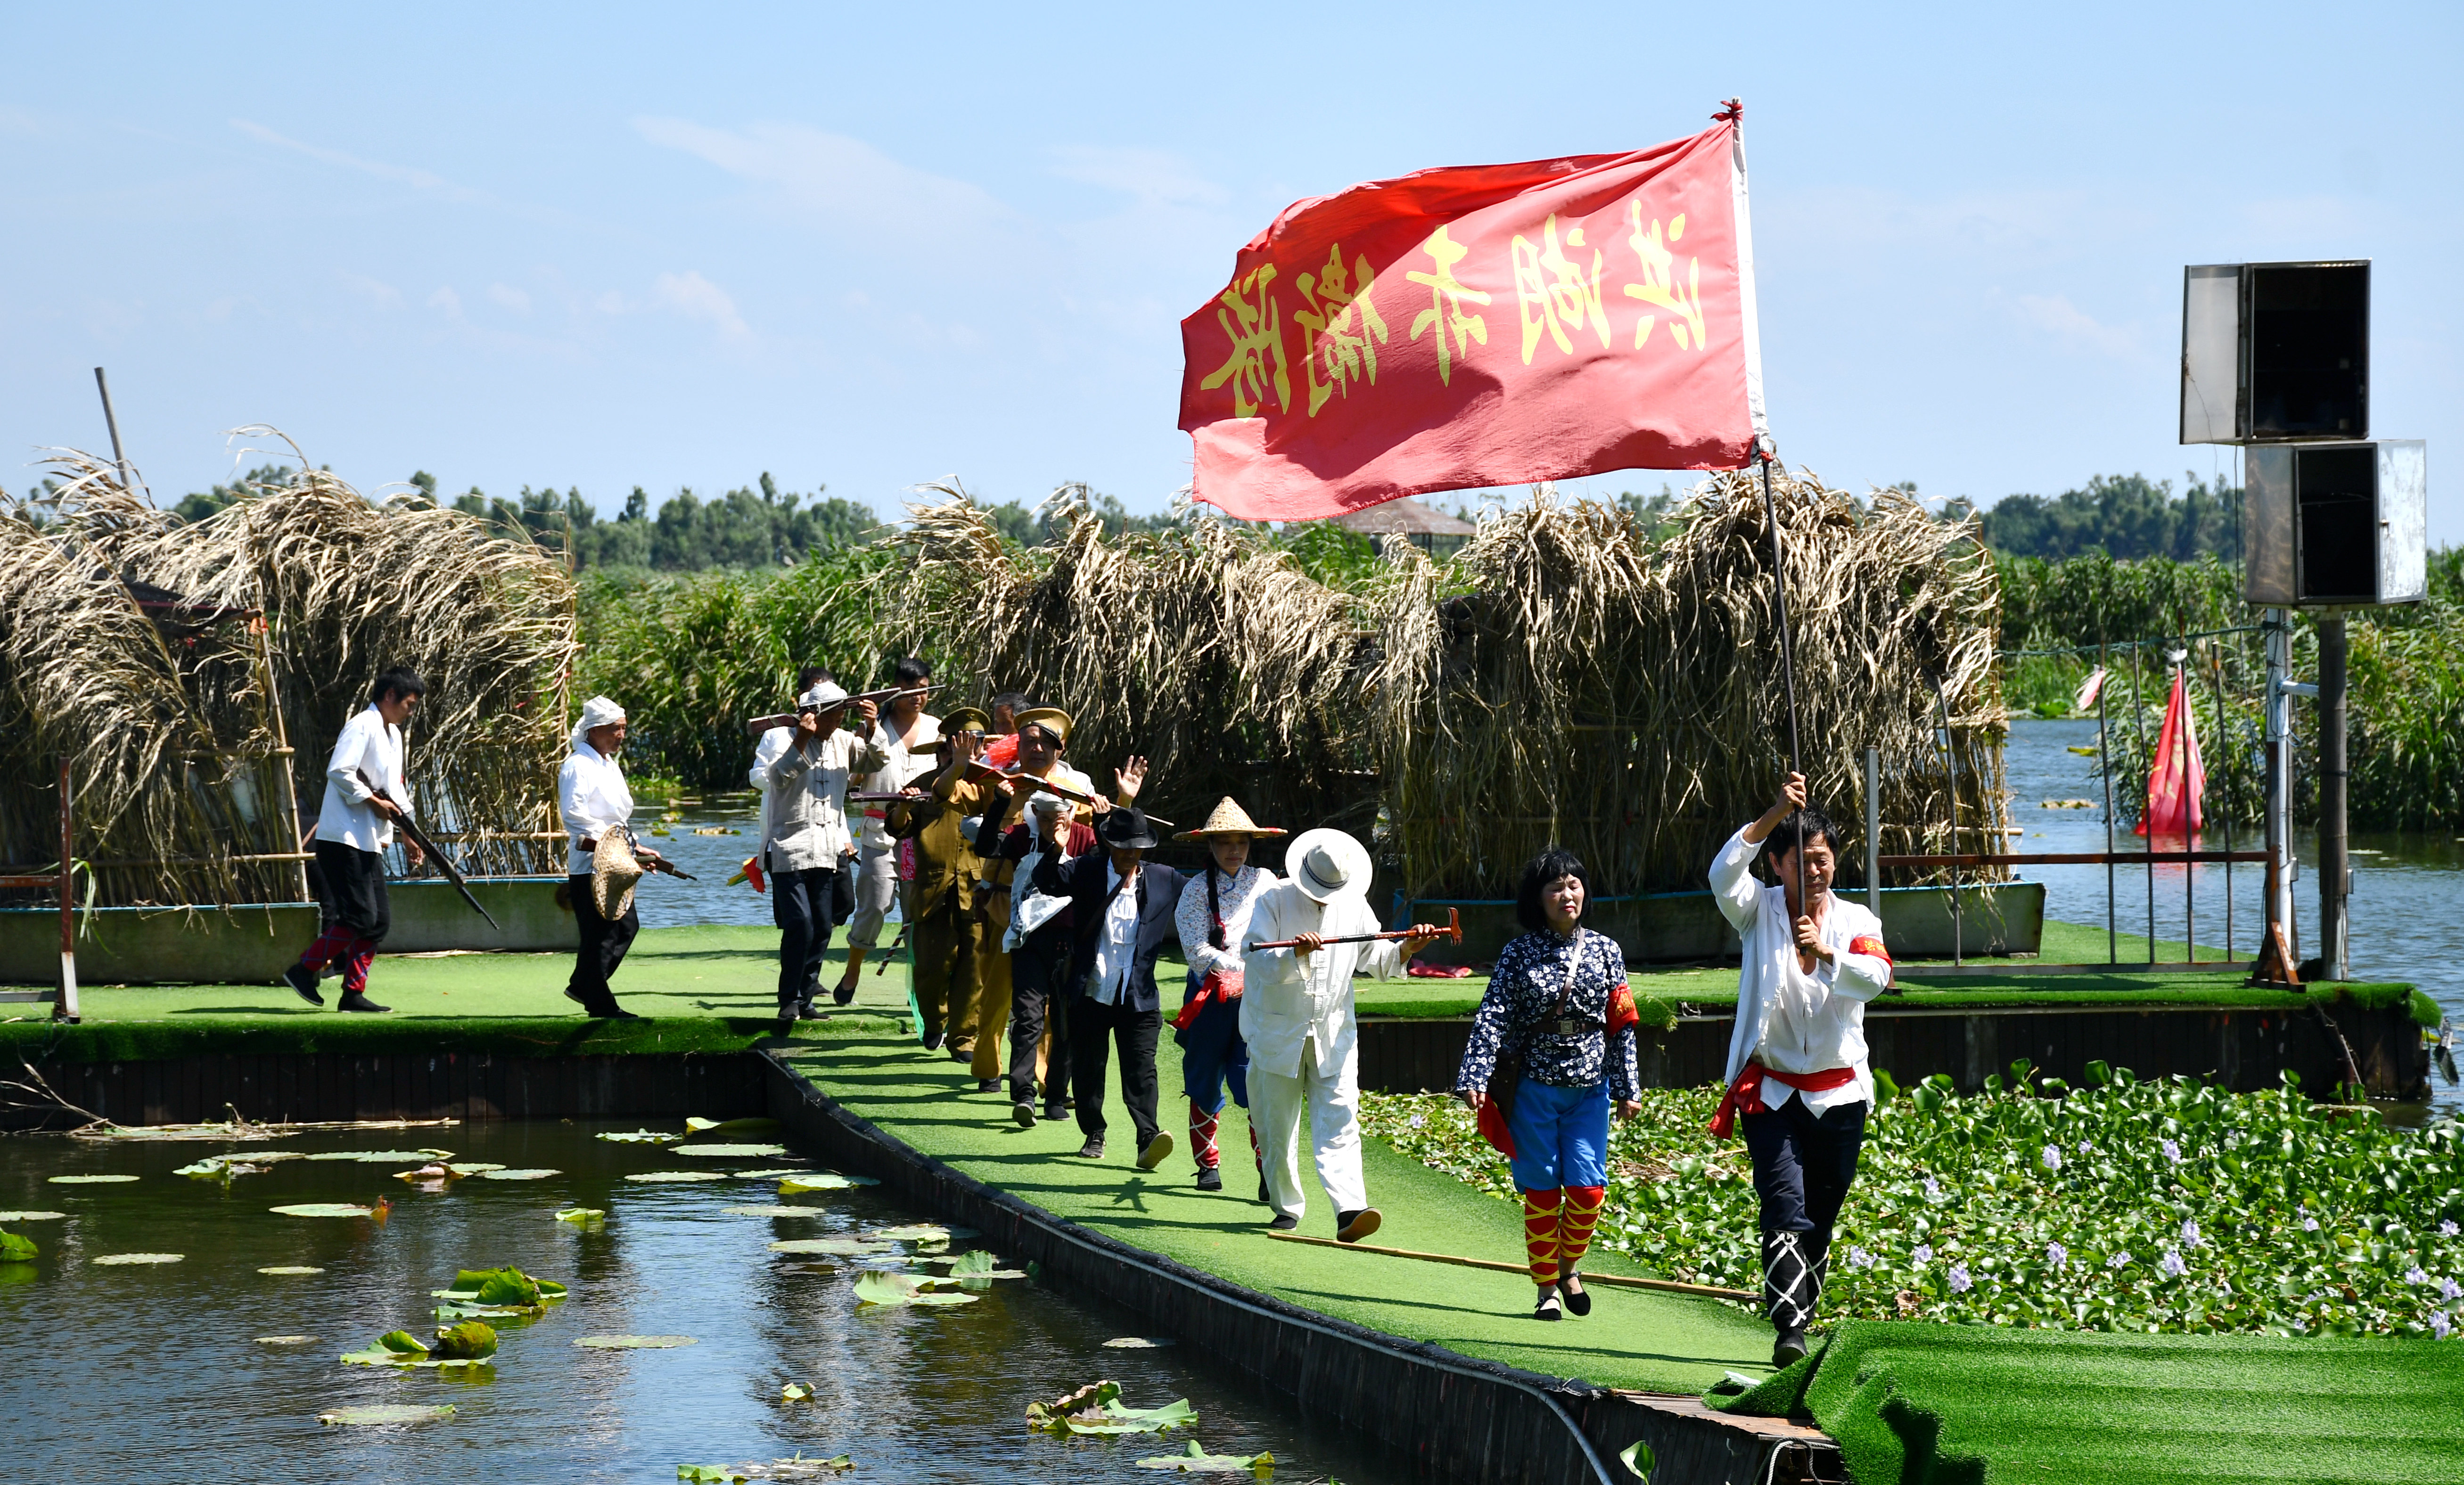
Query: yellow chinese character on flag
{"x": 1555, "y": 295}
{"x": 1658, "y": 285}
{"x": 1446, "y": 297}
{"x": 1337, "y": 347}
{"x": 1256, "y": 330}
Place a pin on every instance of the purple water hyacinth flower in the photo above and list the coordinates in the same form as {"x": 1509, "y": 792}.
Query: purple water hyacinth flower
{"x": 1933, "y": 1188}
{"x": 2084, "y": 1149}
{"x": 2414, "y": 1276}
{"x": 2057, "y": 1256}
{"x": 2309, "y": 1224}
{"x": 2117, "y": 1260}
{"x": 1922, "y": 1253}
{"x": 1420, "y": 1119}
{"x": 2190, "y": 1233}
{"x": 2447, "y": 1227}
{"x": 2172, "y": 1151}
{"x": 2053, "y": 1157}
{"x": 2449, "y": 1290}
{"x": 2439, "y": 1324}
{"x": 1960, "y": 1282}
{"x": 1860, "y": 1259}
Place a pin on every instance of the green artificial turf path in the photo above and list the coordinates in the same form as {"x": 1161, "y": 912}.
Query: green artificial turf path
{"x": 1631, "y": 1338}
{"x": 1926, "y": 1405}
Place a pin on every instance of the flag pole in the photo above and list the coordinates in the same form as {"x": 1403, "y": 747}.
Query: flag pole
{"x": 1786, "y": 668}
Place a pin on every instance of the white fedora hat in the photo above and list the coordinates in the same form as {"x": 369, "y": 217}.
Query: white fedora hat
{"x": 1326, "y": 864}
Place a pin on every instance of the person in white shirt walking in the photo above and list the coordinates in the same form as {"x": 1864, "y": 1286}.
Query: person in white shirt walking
{"x": 1214, "y": 913}
{"x": 907, "y": 736}
{"x": 594, "y": 798}
{"x": 365, "y": 792}
{"x": 1297, "y": 1020}
{"x": 807, "y": 842}
{"x": 1797, "y": 1073}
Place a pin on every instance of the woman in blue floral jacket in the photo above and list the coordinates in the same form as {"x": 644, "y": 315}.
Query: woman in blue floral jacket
{"x": 1559, "y": 995}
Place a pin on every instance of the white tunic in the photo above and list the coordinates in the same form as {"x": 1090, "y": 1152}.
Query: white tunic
{"x": 903, "y": 769}
{"x": 1238, "y": 898}
{"x": 1287, "y": 1000}
{"x": 1788, "y": 1020}
{"x": 368, "y": 742}
{"x": 594, "y": 798}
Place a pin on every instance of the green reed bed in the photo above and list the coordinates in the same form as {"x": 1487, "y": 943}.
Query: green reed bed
{"x": 2139, "y": 1207}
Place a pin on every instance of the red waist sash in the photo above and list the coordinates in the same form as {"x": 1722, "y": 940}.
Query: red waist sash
{"x": 1744, "y": 1096}
{"x": 1218, "y": 988}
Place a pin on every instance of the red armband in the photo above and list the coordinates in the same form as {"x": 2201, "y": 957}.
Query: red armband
{"x": 1621, "y": 1012}
{"x": 1869, "y": 944}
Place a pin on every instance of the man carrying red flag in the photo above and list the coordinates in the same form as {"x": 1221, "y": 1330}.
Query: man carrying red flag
{"x": 1796, "y": 1059}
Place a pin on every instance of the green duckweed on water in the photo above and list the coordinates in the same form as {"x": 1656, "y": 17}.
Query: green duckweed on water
{"x": 2168, "y": 1206}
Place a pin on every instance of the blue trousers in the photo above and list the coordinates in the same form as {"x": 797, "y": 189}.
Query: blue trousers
{"x": 1561, "y": 1136}
{"x": 1212, "y": 1054}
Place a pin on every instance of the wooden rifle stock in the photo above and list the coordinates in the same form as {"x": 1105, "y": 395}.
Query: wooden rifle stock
{"x": 1452, "y": 933}
{"x": 761, "y": 724}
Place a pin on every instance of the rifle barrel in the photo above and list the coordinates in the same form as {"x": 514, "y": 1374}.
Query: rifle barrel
{"x": 1452, "y": 932}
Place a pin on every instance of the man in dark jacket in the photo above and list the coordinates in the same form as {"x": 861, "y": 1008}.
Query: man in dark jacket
{"x": 1122, "y": 917}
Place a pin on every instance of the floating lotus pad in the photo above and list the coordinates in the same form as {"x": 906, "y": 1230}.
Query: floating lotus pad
{"x": 642, "y": 1137}
{"x": 679, "y": 1175}
{"x": 731, "y": 1126}
{"x": 835, "y": 1247}
{"x": 324, "y": 1209}
{"x": 90, "y": 1179}
{"x": 912, "y": 1232}
{"x": 387, "y": 1412}
{"x": 579, "y": 1214}
{"x": 471, "y": 1168}
{"x": 382, "y": 1157}
{"x": 287, "y": 1270}
{"x": 502, "y": 1174}
{"x": 873, "y": 1286}
{"x": 730, "y": 1151}
{"x": 1135, "y": 1342}
{"x": 285, "y": 1339}
{"x": 32, "y": 1216}
{"x": 120, "y": 1259}
{"x": 821, "y": 1181}
{"x": 772, "y": 1175}
{"x": 776, "y": 1212}
{"x": 1195, "y": 1459}
{"x": 634, "y": 1342}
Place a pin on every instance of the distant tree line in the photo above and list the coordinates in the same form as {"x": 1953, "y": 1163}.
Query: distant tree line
{"x": 2123, "y": 515}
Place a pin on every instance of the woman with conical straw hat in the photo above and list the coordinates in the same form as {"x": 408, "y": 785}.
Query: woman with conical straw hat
{"x": 1214, "y": 913}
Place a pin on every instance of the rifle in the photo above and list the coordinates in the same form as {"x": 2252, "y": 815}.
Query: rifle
{"x": 1063, "y": 790}
{"x": 435, "y": 852}
{"x": 1452, "y": 932}
{"x": 761, "y": 724}
{"x": 659, "y": 864}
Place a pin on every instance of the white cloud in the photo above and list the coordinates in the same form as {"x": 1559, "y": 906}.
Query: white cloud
{"x": 2057, "y": 316}
{"x": 510, "y": 298}
{"x": 842, "y": 180}
{"x": 377, "y": 292}
{"x": 422, "y": 180}
{"x": 446, "y": 299}
{"x": 1155, "y": 176}
{"x": 697, "y": 297}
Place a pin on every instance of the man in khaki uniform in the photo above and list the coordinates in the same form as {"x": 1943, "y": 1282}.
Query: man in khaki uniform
{"x": 942, "y": 924}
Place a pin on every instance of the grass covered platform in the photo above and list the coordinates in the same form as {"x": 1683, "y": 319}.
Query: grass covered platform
{"x": 1631, "y": 1338}
{"x": 1918, "y": 1402}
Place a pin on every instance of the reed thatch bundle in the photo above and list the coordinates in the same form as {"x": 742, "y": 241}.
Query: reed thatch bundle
{"x": 1203, "y": 650}
{"x": 175, "y": 719}
{"x": 1624, "y": 698}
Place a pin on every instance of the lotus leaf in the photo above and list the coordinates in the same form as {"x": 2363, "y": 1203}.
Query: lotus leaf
{"x": 508, "y": 1287}
{"x": 32, "y": 1216}
{"x": 387, "y": 1412}
{"x": 730, "y": 1151}
{"x": 1195, "y": 1458}
{"x": 383, "y": 1157}
{"x": 118, "y": 1258}
{"x": 770, "y": 1175}
{"x": 1136, "y": 1344}
{"x": 435, "y": 1171}
{"x": 709, "y": 1474}
{"x": 823, "y": 1181}
{"x": 288, "y": 1270}
{"x": 775, "y": 1212}
{"x": 794, "y": 1392}
{"x": 731, "y": 1126}
{"x": 324, "y": 1209}
{"x": 285, "y": 1341}
{"x": 875, "y": 1286}
{"x": 798, "y": 1468}
{"x": 411, "y": 1361}
{"x": 15, "y": 1249}
{"x": 677, "y": 1175}
{"x": 403, "y": 1342}
{"x": 912, "y": 1232}
{"x": 221, "y": 1168}
{"x": 835, "y": 1247}
{"x": 90, "y": 1179}
{"x": 634, "y": 1342}
{"x": 1048, "y": 1416}
{"x": 469, "y": 1340}
{"x": 579, "y": 1214}
{"x": 1638, "y": 1457}
{"x": 1113, "y": 1418}
{"x": 642, "y": 1137}
{"x": 501, "y": 1174}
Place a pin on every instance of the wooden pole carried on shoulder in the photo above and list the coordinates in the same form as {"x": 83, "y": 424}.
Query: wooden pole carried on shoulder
{"x": 1788, "y": 679}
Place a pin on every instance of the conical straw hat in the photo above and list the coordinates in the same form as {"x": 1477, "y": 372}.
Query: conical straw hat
{"x": 613, "y": 872}
{"x": 1228, "y": 819}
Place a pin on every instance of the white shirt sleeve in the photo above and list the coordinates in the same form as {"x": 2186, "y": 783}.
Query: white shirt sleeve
{"x": 1733, "y": 882}
{"x": 350, "y": 754}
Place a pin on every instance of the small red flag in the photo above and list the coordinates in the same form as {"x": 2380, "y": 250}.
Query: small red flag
{"x": 2176, "y": 780}
{"x": 1481, "y": 325}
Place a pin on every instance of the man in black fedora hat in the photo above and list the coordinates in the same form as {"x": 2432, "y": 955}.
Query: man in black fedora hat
{"x": 1121, "y": 919}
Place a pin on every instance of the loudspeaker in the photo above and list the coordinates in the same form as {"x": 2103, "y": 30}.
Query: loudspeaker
{"x": 2336, "y": 526}
{"x": 2275, "y": 352}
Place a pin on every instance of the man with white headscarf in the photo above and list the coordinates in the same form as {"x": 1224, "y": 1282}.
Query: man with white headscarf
{"x": 807, "y": 839}
{"x": 591, "y": 793}
{"x": 1296, "y": 1015}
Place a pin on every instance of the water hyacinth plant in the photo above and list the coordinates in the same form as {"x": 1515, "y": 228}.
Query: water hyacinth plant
{"x": 2131, "y": 1205}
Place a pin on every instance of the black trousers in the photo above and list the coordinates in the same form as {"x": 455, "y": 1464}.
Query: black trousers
{"x": 351, "y": 888}
{"x": 1804, "y": 1164}
{"x": 802, "y": 904}
{"x": 1095, "y": 1030}
{"x": 603, "y": 947}
{"x": 1035, "y": 997}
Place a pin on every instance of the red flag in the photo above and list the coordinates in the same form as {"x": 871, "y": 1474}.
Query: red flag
{"x": 2175, "y": 781}
{"x": 1481, "y": 325}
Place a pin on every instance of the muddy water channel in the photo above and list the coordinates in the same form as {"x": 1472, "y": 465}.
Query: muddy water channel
{"x": 157, "y": 1371}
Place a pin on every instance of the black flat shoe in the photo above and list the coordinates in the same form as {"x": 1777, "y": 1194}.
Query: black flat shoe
{"x": 1351, "y": 1227}
{"x": 357, "y": 1002}
{"x": 988, "y": 1085}
{"x": 1789, "y": 1349}
{"x": 1024, "y": 1114}
{"x": 1209, "y": 1179}
{"x": 842, "y": 994}
{"x": 1283, "y": 1224}
{"x": 1579, "y": 1301}
{"x": 1546, "y": 1309}
{"x": 1092, "y": 1149}
{"x": 1055, "y": 1111}
{"x": 302, "y": 980}
{"x": 932, "y": 1041}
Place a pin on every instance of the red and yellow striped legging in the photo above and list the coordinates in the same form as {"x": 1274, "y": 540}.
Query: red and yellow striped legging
{"x": 1557, "y": 1228}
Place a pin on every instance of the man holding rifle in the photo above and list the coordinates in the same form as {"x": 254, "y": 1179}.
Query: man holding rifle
{"x": 906, "y": 735}
{"x": 807, "y": 840}
{"x": 364, "y": 793}
{"x": 593, "y": 797}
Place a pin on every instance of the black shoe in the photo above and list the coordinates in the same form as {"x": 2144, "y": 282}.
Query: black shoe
{"x": 1789, "y": 1349}
{"x": 303, "y": 980}
{"x": 352, "y": 1000}
{"x": 577, "y": 997}
{"x": 1024, "y": 1113}
{"x": 1055, "y": 1111}
{"x": 805, "y": 1011}
{"x": 1092, "y": 1149}
{"x": 1152, "y": 1153}
{"x": 1546, "y": 1309}
{"x": 616, "y": 1012}
{"x": 1209, "y": 1179}
{"x": 988, "y": 1085}
{"x": 1283, "y": 1224}
{"x": 932, "y": 1041}
{"x": 1579, "y": 1301}
{"x": 844, "y": 993}
{"x": 1351, "y": 1227}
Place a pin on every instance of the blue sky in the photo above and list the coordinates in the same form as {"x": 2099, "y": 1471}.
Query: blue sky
{"x": 607, "y": 245}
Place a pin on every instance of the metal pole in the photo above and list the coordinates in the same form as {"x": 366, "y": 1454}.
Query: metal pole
{"x": 111, "y": 421}
{"x": 2104, "y": 769}
{"x": 1874, "y": 830}
{"x": 2216, "y": 675}
{"x": 2280, "y": 690}
{"x": 65, "y": 1008}
{"x": 2334, "y": 863}
{"x": 1950, "y": 769}
{"x": 1787, "y": 665}
{"x": 2139, "y": 729}
{"x": 2190, "y": 836}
